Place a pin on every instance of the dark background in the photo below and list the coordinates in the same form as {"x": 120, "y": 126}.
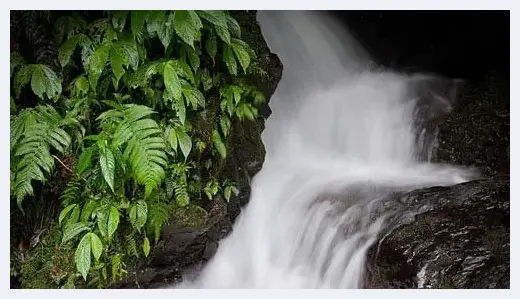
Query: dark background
{"x": 462, "y": 44}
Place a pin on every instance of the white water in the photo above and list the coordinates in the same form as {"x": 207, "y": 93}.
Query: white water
{"x": 341, "y": 137}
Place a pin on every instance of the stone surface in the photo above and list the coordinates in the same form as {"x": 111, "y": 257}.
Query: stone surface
{"x": 458, "y": 238}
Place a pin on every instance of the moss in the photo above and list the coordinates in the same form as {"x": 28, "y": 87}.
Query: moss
{"x": 48, "y": 265}
{"x": 191, "y": 216}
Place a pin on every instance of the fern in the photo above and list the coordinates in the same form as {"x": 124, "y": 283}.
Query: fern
{"x": 130, "y": 245}
{"x": 36, "y": 132}
{"x": 158, "y": 214}
{"x": 145, "y": 150}
{"x": 71, "y": 192}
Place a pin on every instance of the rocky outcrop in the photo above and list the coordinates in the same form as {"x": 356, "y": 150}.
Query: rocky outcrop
{"x": 450, "y": 237}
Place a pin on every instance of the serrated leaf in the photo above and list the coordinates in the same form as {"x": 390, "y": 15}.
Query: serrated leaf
{"x": 72, "y": 230}
{"x": 45, "y": 82}
{"x": 184, "y": 143}
{"x": 215, "y": 17}
{"x": 118, "y": 59}
{"x": 107, "y": 163}
{"x": 81, "y": 86}
{"x": 137, "y": 18}
{"x": 172, "y": 138}
{"x": 223, "y": 33}
{"x": 113, "y": 221}
{"x": 171, "y": 80}
{"x": 185, "y": 26}
{"x": 146, "y": 246}
{"x": 194, "y": 96}
{"x": 66, "y": 50}
{"x": 142, "y": 213}
{"x": 96, "y": 246}
{"x": 241, "y": 53}
{"x": 218, "y": 144}
{"x": 22, "y": 77}
{"x": 119, "y": 19}
{"x": 82, "y": 256}
{"x": 211, "y": 47}
{"x": 233, "y": 26}
{"x": 165, "y": 32}
{"x": 65, "y": 212}
{"x": 180, "y": 108}
{"x": 225, "y": 125}
{"x": 193, "y": 58}
{"x": 229, "y": 59}
{"x": 97, "y": 64}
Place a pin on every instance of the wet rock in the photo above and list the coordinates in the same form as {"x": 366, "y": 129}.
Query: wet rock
{"x": 477, "y": 131}
{"x": 449, "y": 237}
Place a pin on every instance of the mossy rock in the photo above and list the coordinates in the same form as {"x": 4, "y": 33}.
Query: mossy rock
{"x": 49, "y": 264}
{"x": 191, "y": 216}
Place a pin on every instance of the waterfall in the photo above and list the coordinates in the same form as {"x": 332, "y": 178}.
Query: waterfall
{"x": 345, "y": 136}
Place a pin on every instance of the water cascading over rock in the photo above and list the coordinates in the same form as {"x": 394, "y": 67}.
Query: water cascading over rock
{"x": 344, "y": 139}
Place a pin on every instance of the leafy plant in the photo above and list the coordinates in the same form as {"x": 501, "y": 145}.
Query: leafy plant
{"x": 120, "y": 102}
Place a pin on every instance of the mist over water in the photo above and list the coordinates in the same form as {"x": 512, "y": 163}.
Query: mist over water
{"x": 344, "y": 136}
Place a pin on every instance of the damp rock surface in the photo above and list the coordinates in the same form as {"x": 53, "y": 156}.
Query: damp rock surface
{"x": 458, "y": 238}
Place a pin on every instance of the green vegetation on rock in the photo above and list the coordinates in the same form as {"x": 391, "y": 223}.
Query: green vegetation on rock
{"x": 129, "y": 124}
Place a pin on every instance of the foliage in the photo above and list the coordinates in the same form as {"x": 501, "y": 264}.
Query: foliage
{"x": 119, "y": 101}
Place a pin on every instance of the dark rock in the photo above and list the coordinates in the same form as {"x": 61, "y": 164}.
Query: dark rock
{"x": 449, "y": 237}
{"x": 477, "y": 132}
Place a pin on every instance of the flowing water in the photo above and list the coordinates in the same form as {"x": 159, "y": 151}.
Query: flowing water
{"x": 344, "y": 136}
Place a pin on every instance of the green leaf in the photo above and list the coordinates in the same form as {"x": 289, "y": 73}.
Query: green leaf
{"x": 142, "y": 213}
{"x": 235, "y": 190}
{"x": 194, "y": 96}
{"x": 107, "y": 163}
{"x": 227, "y": 193}
{"x": 72, "y": 230}
{"x": 119, "y": 19}
{"x": 211, "y": 47}
{"x": 215, "y": 17}
{"x": 233, "y": 26}
{"x": 223, "y": 33}
{"x": 172, "y": 138}
{"x": 85, "y": 160}
{"x": 185, "y": 26}
{"x": 184, "y": 143}
{"x": 218, "y": 144}
{"x": 81, "y": 86}
{"x": 45, "y": 82}
{"x": 194, "y": 58}
{"x": 102, "y": 217}
{"x": 146, "y": 246}
{"x": 225, "y": 124}
{"x": 113, "y": 221}
{"x": 132, "y": 214}
{"x": 165, "y": 31}
{"x": 118, "y": 59}
{"x": 229, "y": 59}
{"x": 171, "y": 80}
{"x": 16, "y": 61}
{"x": 97, "y": 64}
{"x": 241, "y": 53}
{"x": 65, "y": 212}
{"x": 87, "y": 210}
{"x": 96, "y": 246}
{"x": 66, "y": 50}
{"x": 22, "y": 77}
{"x": 74, "y": 216}
{"x": 137, "y": 18}
{"x": 180, "y": 108}
{"x": 82, "y": 256}
{"x": 207, "y": 82}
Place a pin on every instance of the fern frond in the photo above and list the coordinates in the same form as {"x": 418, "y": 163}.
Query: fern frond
{"x": 131, "y": 245}
{"x": 146, "y": 148}
{"x": 71, "y": 192}
{"x": 158, "y": 213}
{"x": 33, "y": 133}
